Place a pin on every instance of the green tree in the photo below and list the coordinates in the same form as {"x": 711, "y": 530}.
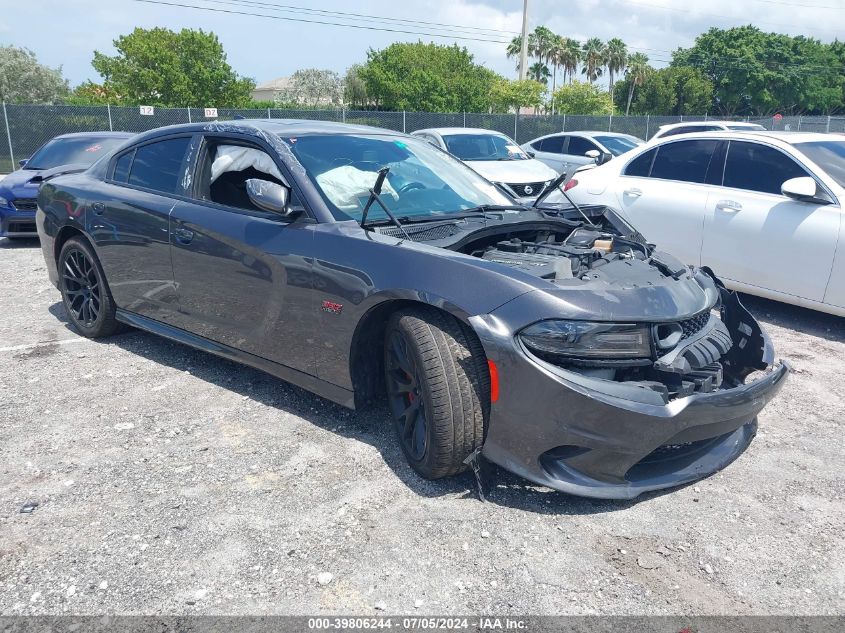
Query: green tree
{"x": 427, "y": 77}
{"x": 312, "y": 87}
{"x": 506, "y": 95}
{"x": 668, "y": 91}
{"x": 162, "y": 67}
{"x": 354, "y": 87}
{"x": 90, "y": 93}
{"x": 24, "y": 80}
{"x": 593, "y": 55}
{"x": 636, "y": 74}
{"x": 760, "y": 73}
{"x": 570, "y": 57}
{"x": 582, "y": 98}
{"x": 616, "y": 59}
{"x": 539, "y": 72}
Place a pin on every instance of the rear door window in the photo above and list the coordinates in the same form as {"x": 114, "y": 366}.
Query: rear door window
{"x": 757, "y": 167}
{"x": 158, "y": 166}
{"x": 122, "y": 165}
{"x": 553, "y": 144}
{"x": 686, "y": 161}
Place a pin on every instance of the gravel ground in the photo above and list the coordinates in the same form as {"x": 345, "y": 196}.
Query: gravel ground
{"x": 169, "y": 481}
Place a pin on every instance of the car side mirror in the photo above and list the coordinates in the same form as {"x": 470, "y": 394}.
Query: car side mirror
{"x": 23, "y": 161}
{"x": 803, "y": 188}
{"x": 605, "y": 157}
{"x": 269, "y": 196}
{"x": 531, "y": 154}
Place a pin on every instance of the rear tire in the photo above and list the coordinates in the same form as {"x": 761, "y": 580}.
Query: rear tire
{"x": 438, "y": 389}
{"x": 85, "y": 293}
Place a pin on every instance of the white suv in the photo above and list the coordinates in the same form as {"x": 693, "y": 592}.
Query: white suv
{"x": 764, "y": 210}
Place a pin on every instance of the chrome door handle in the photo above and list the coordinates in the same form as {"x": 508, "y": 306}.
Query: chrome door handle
{"x": 634, "y": 193}
{"x": 729, "y": 205}
{"x": 98, "y": 207}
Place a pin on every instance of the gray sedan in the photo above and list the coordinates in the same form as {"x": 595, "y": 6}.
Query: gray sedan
{"x": 566, "y": 152}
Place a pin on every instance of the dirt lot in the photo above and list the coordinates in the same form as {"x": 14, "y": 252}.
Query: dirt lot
{"x": 169, "y": 481}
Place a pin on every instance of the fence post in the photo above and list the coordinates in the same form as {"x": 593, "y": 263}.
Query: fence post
{"x": 647, "y": 120}
{"x": 515, "y": 119}
{"x": 564, "y": 122}
{"x": 189, "y": 115}
{"x": 403, "y": 121}
{"x": 108, "y": 109}
{"x": 12, "y": 152}
{"x": 799, "y": 122}
{"x": 610, "y": 122}
{"x": 269, "y": 116}
{"x": 10, "y": 138}
{"x": 465, "y": 118}
{"x": 343, "y": 114}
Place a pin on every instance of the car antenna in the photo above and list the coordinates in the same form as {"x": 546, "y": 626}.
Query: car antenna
{"x": 556, "y": 184}
{"x": 374, "y": 197}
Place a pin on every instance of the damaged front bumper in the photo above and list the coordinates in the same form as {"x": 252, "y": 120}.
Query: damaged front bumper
{"x": 611, "y": 439}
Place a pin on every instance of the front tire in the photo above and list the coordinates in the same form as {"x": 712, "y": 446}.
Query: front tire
{"x": 85, "y": 293}
{"x": 438, "y": 389}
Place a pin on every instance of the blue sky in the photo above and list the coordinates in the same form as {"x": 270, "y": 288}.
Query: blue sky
{"x": 66, "y": 32}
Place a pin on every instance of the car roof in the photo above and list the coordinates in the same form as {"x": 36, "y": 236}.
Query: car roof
{"x": 97, "y": 135}
{"x": 585, "y": 133}
{"x": 790, "y": 138}
{"x": 671, "y": 126}
{"x": 280, "y": 127}
{"x": 459, "y": 130}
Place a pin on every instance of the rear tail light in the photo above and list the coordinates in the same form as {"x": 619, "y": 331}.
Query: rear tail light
{"x": 570, "y": 184}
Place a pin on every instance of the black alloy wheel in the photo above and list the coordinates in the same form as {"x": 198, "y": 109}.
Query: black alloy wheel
{"x": 85, "y": 293}
{"x": 406, "y": 401}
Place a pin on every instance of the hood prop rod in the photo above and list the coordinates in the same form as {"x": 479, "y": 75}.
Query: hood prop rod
{"x": 556, "y": 184}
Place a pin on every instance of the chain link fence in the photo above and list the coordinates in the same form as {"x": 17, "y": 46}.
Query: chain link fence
{"x": 26, "y": 127}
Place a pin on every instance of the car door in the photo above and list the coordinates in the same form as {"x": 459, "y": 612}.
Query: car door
{"x": 663, "y": 192}
{"x": 757, "y": 236}
{"x": 243, "y": 275}
{"x": 576, "y": 152}
{"x": 129, "y": 225}
{"x": 550, "y": 151}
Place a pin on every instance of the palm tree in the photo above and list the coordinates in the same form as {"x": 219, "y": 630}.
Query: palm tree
{"x": 593, "y": 57}
{"x": 638, "y": 70}
{"x": 570, "y": 57}
{"x": 540, "y": 43}
{"x": 538, "y": 71}
{"x": 514, "y": 49}
{"x": 616, "y": 59}
{"x": 556, "y": 59}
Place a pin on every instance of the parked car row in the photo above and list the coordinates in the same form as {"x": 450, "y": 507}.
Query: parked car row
{"x": 355, "y": 262}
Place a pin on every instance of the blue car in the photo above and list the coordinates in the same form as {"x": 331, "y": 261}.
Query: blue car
{"x": 19, "y": 190}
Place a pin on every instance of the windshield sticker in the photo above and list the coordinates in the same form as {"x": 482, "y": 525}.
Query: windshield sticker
{"x": 94, "y": 148}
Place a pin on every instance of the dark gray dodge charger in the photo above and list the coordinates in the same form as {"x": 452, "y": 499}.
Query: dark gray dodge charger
{"x": 360, "y": 263}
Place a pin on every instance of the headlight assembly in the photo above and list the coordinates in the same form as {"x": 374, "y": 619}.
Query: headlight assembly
{"x": 4, "y": 202}
{"x": 584, "y": 339}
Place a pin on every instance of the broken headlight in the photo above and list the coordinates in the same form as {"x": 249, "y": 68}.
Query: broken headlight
{"x": 583, "y": 339}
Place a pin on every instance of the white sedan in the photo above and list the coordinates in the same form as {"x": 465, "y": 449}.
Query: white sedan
{"x": 764, "y": 210}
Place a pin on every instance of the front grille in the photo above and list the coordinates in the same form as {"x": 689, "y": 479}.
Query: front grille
{"x": 423, "y": 234}
{"x": 694, "y": 324}
{"x": 22, "y": 227}
{"x": 527, "y": 188}
{"x": 25, "y": 204}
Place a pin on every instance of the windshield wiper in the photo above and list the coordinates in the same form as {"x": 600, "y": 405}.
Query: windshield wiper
{"x": 374, "y": 197}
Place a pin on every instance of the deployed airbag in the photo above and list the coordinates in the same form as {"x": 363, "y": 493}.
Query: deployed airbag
{"x": 346, "y": 185}
{"x": 239, "y": 158}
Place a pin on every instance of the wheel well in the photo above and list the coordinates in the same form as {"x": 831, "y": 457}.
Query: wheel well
{"x": 366, "y": 359}
{"x": 64, "y": 234}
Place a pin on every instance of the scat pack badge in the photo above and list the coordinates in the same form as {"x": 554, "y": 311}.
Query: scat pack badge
{"x": 331, "y": 307}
